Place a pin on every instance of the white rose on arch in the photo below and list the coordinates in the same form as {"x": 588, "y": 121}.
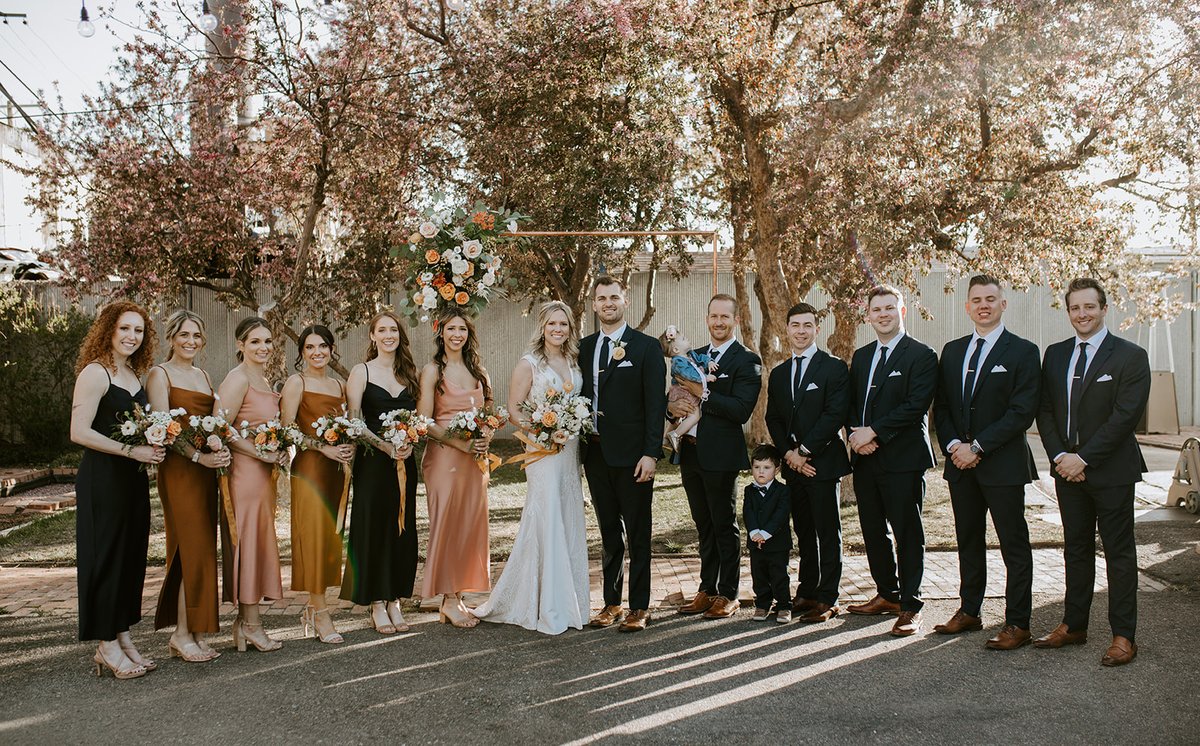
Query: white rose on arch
{"x": 458, "y": 266}
{"x": 427, "y": 229}
{"x": 426, "y": 278}
{"x": 430, "y": 301}
{"x": 472, "y": 249}
{"x": 489, "y": 279}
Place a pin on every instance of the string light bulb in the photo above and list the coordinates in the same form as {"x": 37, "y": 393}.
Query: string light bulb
{"x": 208, "y": 22}
{"x": 328, "y": 10}
{"x": 86, "y": 28}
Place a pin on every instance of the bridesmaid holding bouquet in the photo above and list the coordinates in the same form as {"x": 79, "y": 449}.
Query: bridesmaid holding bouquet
{"x": 381, "y": 562}
{"x": 187, "y": 486}
{"x": 112, "y": 517}
{"x": 457, "y": 560}
{"x": 317, "y": 480}
{"x": 251, "y": 549}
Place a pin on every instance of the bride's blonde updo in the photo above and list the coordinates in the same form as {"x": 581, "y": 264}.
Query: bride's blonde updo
{"x": 537, "y": 343}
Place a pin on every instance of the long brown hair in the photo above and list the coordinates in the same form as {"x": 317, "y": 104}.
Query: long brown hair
{"x": 403, "y": 366}
{"x": 470, "y": 351}
{"x": 97, "y": 345}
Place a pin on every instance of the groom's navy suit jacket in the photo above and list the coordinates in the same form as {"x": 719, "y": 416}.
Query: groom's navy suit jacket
{"x": 633, "y": 398}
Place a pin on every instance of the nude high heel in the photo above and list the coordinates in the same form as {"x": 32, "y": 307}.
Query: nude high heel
{"x": 178, "y": 652}
{"x": 387, "y": 628}
{"x": 308, "y": 618}
{"x": 120, "y": 673}
{"x": 255, "y": 635}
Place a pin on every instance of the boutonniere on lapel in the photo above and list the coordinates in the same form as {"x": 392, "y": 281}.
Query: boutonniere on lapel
{"x": 618, "y": 351}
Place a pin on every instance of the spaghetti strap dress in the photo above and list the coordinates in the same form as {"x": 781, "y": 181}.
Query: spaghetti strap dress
{"x": 112, "y": 527}
{"x": 316, "y": 496}
{"x": 189, "y": 499}
{"x": 381, "y": 562}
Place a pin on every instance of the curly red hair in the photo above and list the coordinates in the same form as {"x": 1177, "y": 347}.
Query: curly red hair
{"x": 97, "y": 346}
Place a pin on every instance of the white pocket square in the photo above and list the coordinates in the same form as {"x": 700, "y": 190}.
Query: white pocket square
{"x": 625, "y": 364}
{"x": 999, "y": 369}
{"x": 1103, "y": 378}
{"x": 893, "y": 374}
{"x": 811, "y": 387}
{"x": 723, "y": 375}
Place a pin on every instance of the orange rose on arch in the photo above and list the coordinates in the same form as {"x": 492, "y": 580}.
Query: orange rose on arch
{"x": 331, "y": 436}
{"x": 461, "y": 298}
{"x": 446, "y": 291}
{"x": 431, "y": 256}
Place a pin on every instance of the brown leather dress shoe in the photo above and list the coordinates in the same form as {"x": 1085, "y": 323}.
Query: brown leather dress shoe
{"x": 699, "y": 604}
{"x": 820, "y": 613}
{"x": 801, "y": 604}
{"x": 1121, "y": 651}
{"x": 607, "y": 617}
{"x": 1010, "y": 637}
{"x": 908, "y": 624}
{"x": 635, "y": 621}
{"x": 1061, "y": 635}
{"x": 960, "y": 622}
{"x": 875, "y": 607}
{"x": 722, "y": 608}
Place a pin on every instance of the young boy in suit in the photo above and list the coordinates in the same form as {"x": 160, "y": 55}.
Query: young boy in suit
{"x": 766, "y": 508}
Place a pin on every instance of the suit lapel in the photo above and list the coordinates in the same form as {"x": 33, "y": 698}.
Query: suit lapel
{"x": 606, "y": 373}
{"x": 809, "y": 372}
{"x": 953, "y": 362}
{"x": 989, "y": 362}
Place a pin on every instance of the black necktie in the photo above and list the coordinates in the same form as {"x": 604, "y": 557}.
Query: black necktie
{"x": 799, "y": 376}
{"x": 969, "y": 382}
{"x": 714, "y": 354}
{"x": 876, "y": 380}
{"x": 1076, "y": 395}
{"x": 604, "y": 352}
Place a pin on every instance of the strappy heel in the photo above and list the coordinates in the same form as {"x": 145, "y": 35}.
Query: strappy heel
{"x": 102, "y": 663}
{"x": 255, "y": 635}
{"x": 179, "y": 652}
{"x": 308, "y": 618}
{"x": 387, "y": 628}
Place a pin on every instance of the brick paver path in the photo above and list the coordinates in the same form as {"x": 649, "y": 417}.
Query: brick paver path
{"x": 40, "y": 591}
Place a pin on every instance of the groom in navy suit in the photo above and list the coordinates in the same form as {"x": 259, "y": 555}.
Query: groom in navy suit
{"x": 624, "y": 375}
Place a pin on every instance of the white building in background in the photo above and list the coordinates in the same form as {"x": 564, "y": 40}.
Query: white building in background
{"x": 20, "y": 227}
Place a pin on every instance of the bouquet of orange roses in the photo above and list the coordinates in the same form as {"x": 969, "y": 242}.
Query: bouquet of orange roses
{"x": 339, "y": 430}
{"x": 478, "y": 422}
{"x": 554, "y": 419}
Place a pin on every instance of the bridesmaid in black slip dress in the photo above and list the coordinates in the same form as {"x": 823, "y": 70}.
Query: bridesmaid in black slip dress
{"x": 381, "y": 562}
{"x": 112, "y": 517}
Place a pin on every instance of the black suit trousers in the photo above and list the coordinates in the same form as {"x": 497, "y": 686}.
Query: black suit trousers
{"x": 623, "y": 512}
{"x": 971, "y": 502}
{"x": 712, "y": 499}
{"x": 890, "y": 503}
{"x": 1084, "y": 506}
{"x": 818, "y": 524}
{"x": 769, "y": 576}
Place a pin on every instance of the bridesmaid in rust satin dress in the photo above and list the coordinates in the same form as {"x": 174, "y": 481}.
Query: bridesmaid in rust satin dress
{"x": 457, "y": 560}
{"x": 187, "y": 487}
{"x": 251, "y": 564}
{"x": 318, "y": 478}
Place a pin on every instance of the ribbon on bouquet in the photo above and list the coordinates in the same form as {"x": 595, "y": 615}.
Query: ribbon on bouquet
{"x": 345, "y": 499}
{"x": 402, "y": 478}
{"x": 227, "y": 502}
{"x": 488, "y": 461}
{"x": 537, "y": 454}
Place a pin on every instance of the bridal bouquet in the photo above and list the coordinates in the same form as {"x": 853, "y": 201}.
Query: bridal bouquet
{"x": 403, "y": 427}
{"x": 454, "y": 262}
{"x": 338, "y": 430}
{"x": 149, "y": 427}
{"x": 472, "y": 423}
{"x": 554, "y": 419}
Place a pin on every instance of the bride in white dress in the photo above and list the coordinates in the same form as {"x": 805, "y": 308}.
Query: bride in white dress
{"x": 544, "y": 585}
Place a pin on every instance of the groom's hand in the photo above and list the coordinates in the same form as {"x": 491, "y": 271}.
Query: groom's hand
{"x": 644, "y": 471}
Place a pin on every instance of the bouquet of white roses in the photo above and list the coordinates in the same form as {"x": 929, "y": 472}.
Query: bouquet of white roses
{"x": 339, "y": 429}
{"x": 473, "y": 423}
{"x": 271, "y": 437}
{"x": 404, "y": 427}
{"x": 553, "y": 419}
{"x": 149, "y": 427}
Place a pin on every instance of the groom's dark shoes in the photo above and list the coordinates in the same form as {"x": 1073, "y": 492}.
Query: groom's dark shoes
{"x": 699, "y": 604}
{"x": 635, "y": 621}
{"x": 607, "y": 617}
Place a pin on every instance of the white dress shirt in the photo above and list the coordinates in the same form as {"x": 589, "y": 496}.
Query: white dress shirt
{"x": 598, "y": 365}
{"x": 891, "y": 347}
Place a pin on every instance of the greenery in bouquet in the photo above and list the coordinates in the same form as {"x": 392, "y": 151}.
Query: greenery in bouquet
{"x": 455, "y": 263}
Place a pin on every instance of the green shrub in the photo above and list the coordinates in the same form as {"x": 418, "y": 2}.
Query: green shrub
{"x": 38, "y": 347}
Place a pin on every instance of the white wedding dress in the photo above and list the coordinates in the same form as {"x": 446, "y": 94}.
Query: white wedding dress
{"x": 544, "y": 585}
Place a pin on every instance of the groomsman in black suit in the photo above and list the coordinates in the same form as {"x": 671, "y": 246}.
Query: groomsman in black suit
{"x": 987, "y": 398}
{"x": 808, "y": 401}
{"x": 711, "y": 457}
{"x": 893, "y": 381}
{"x": 624, "y": 375}
{"x": 1094, "y": 391}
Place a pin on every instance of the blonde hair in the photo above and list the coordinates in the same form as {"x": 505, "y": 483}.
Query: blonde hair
{"x": 537, "y": 343}
{"x": 176, "y": 321}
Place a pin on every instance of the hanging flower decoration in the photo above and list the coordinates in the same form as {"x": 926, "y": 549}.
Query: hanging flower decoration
{"x": 455, "y": 263}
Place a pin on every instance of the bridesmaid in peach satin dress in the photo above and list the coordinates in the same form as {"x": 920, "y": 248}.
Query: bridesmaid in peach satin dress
{"x": 251, "y": 568}
{"x": 457, "y": 560}
{"x": 317, "y": 480}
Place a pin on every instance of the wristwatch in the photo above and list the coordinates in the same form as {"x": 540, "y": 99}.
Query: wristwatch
{"x": 975, "y": 449}
{"x": 196, "y": 456}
